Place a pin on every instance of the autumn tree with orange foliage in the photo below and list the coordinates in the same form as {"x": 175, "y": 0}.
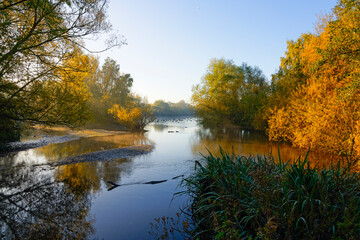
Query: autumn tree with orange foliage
{"x": 316, "y": 93}
{"x": 135, "y": 116}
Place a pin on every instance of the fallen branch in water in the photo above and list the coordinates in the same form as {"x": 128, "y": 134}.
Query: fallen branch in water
{"x": 115, "y": 185}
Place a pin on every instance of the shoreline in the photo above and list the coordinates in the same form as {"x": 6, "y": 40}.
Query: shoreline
{"x": 46, "y": 139}
{"x": 71, "y": 135}
{"x": 105, "y": 155}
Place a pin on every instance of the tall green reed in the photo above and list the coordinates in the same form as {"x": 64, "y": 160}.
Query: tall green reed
{"x": 257, "y": 197}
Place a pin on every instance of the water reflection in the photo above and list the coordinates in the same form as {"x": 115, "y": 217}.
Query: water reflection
{"x": 23, "y": 158}
{"x": 87, "y": 177}
{"x": 160, "y": 127}
{"x": 54, "y": 203}
{"x": 54, "y": 152}
{"x": 246, "y": 143}
{"x": 41, "y": 202}
{"x": 33, "y": 205}
{"x": 58, "y": 203}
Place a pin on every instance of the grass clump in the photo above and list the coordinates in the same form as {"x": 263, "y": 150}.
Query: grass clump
{"x": 236, "y": 197}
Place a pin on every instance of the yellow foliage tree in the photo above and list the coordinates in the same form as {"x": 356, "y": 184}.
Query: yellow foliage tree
{"x": 134, "y": 117}
{"x": 322, "y": 107}
{"x": 108, "y": 87}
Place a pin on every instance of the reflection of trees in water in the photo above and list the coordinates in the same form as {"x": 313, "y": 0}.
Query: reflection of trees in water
{"x": 243, "y": 142}
{"x": 54, "y": 152}
{"x": 87, "y": 177}
{"x": 21, "y": 159}
{"x": 38, "y": 202}
{"x": 163, "y": 123}
{"x": 231, "y": 139}
{"x": 35, "y": 206}
{"x": 158, "y": 127}
{"x": 46, "y": 203}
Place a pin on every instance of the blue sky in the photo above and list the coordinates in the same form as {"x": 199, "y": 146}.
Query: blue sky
{"x": 170, "y": 43}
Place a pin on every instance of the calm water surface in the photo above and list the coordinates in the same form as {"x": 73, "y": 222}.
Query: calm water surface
{"x": 74, "y": 201}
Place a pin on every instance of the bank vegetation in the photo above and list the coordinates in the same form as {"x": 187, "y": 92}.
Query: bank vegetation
{"x": 313, "y": 99}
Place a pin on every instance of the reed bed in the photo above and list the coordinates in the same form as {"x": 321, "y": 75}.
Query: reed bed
{"x": 256, "y": 197}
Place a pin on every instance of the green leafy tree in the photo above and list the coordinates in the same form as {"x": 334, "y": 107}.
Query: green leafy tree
{"x": 230, "y": 94}
{"x": 182, "y": 108}
{"x": 114, "y": 87}
{"x": 108, "y": 87}
{"x": 38, "y": 38}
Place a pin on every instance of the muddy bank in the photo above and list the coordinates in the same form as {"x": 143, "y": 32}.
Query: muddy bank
{"x": 106, "y": 155}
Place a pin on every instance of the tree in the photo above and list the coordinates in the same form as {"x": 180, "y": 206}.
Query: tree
{"x": 135, "y": 116}
{"x": 108, "y": 87}
{"x": 114, "y": 87}
{"x": 230, "y": 93}
{"x": 38, "y": 38}
{"x": 112, "y": 101}
{"x": 322, "y": 109}
{"x": 217, "y": 95}
{"x": 181, "y": 108}
{"x": 162, "y": 108}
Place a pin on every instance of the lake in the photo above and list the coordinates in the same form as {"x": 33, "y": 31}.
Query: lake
{"x": 76, "y": 201}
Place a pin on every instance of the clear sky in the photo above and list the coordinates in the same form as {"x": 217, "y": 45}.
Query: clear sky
{"x": 171, "y": 42}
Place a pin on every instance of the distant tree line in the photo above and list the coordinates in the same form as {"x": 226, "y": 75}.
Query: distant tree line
{"x": 181, "y": 108}
{"x": 313, "y": 99}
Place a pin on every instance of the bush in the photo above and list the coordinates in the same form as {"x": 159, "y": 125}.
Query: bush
{"x": 236, "y": 197}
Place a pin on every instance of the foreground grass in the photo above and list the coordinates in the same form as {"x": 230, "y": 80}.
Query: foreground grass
{"x": 236, "y": 197}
